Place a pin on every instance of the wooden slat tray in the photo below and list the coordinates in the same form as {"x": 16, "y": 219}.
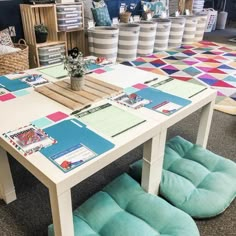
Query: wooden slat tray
{"x": 94, "y": 90}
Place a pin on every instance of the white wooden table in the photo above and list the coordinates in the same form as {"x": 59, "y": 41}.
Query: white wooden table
{"x": 152, "y": 133}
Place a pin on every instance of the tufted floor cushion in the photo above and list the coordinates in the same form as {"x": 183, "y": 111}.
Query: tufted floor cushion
{"x": 194, "y": 179}
{"x": 123, "y": 208}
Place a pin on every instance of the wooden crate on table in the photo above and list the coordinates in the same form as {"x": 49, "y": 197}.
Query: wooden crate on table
{"x": 94, "y": 90}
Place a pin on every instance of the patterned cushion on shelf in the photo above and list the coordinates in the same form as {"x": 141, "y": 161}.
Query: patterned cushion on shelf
{"x": 194, "y": 179}
{"x": 101, "y": 16}
{"x": 5, "y": 38}
{"x": 124, "y": 208}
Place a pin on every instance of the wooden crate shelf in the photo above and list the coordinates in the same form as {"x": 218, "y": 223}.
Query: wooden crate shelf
{"x": 46, "y": 14}
{"x": 73, "y": 39}
{"x": 31, "y": 16}
{"x": 48, "y": 43}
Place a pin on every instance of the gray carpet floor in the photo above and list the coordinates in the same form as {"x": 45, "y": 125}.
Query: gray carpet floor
{"x": 222, "y": 36}
{"x": 30, "y": 214}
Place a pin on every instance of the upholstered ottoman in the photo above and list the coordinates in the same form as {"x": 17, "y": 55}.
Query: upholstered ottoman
{"x": 194, "y": 179}
{"x": 123, "y": 208}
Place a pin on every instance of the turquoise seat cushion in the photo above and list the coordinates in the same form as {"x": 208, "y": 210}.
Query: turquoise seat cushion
{"x": 194, "y": 179}
{"x": 123, "y": 208}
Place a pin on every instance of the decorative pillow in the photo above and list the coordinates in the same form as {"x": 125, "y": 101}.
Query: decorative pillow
{"x": 5, "y": 38}
{"x": 101, "y": 16}
{"x": 157, "y": 7}
{"x": 88, "y": 15}
{"x": 7, "y": 49}
{"x": 98, "y": 4}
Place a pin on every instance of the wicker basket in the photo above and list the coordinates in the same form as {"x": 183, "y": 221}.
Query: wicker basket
{"x": 15, "y": 61}
{"x": 124, "y": 17}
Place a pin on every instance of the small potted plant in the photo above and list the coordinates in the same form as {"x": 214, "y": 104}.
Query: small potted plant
{"x": 76, "y": 67}
{"x": 41, "y": 33}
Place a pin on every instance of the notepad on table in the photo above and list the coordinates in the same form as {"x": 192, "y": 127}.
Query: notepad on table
{"x": 132, "y": 100}
{"x": 179, "y": 88}
{"x": 109, "y": 120}
{"x": 56, "y": 71}
{"x": 34, "y": 80}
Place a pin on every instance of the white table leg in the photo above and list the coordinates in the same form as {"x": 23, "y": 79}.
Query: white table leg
{"x": 153, "y": 156}
{"x": 205, "y": 124}
{"x": 61, "y": 207}
{"x": 7, "y": 188}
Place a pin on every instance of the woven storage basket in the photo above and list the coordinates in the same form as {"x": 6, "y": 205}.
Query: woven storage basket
{"x": 15, "y": 61}
{"x": 124, "y": 17}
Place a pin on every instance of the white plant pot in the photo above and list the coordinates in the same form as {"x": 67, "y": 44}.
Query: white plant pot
{"x": 77, "y": 83}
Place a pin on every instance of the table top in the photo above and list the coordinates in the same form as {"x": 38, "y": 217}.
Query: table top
{"x": 21, "y": 111}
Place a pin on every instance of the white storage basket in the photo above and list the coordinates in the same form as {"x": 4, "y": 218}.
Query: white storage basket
{"x": 103, "y": 42}
{"x": 146, "y": 37}
{"x": 211, "y": 19}
{"x": 162, "y": 34}
{"x": 128, "y": 41}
